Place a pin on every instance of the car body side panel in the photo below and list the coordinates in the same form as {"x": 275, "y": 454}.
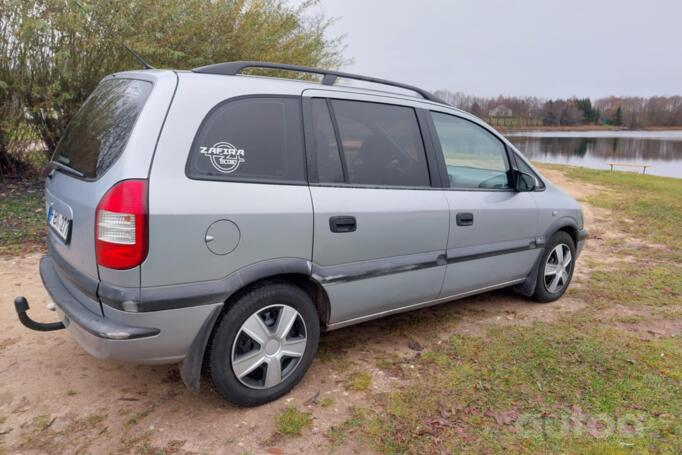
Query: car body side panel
{"x": 504, "y": 221}
{"x": 273, "y": 221}
{"x": 398, "y": 247}
{"x": 391, "y": 224}
{"x": 556, "y": 210}
{"x": 357, "y": 299}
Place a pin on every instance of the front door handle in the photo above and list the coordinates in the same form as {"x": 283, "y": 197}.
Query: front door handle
{"x": 343, "y": 224}
{"x": 465, "y": 219}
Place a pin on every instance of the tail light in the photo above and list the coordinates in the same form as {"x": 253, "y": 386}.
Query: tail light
{"x": 121, "y": 225}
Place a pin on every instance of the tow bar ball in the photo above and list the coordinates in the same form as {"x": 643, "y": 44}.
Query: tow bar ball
{"x": 21, "y": 305}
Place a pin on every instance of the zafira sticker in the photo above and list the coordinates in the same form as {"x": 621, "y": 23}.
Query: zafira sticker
{"x": 224, "y": 156}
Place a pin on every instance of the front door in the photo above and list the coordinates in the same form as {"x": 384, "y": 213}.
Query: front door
{"x": 380, "y": 229}
{"x": 493, "y": 228}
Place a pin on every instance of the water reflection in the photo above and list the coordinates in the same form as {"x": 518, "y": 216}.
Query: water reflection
{"x": 664, "y": 155}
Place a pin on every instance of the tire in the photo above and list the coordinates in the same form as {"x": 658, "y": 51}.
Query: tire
{"x": 251, "y": 332}
{"x": 546, "y": 289}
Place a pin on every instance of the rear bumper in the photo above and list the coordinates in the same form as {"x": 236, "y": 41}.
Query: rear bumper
{"x": 153, "y": 337}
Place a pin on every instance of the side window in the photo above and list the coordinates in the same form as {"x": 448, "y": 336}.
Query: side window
{"x": 329, "y": 167}
{"x": 473, "y": 156}
{"x": 250, "y": 139}
{"x": 380, "y": 144}
{"x": 523, "y": 167}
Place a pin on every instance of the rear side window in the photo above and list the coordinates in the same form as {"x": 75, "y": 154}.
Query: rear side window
{"x": 381, "y": 145}
{"x": 98, "y": 133}
{"x": 250, "y": 139}
{"x": 474, "y": 157}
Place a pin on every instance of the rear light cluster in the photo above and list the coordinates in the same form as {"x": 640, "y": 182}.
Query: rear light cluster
{"x": 121, "y": 226}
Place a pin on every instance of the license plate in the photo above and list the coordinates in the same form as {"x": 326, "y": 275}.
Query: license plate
{"x": 59, "y": 223}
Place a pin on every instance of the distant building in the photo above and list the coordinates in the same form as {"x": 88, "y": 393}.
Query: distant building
{"x": 500, "y": 111}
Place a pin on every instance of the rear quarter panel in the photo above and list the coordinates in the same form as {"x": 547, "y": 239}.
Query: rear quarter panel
{"x": 274, "y": 221}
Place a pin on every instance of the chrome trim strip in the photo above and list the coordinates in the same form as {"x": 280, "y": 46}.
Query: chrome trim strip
{"x": 338, "y": 325}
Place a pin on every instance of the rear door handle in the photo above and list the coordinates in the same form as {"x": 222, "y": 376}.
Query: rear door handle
{"x": 343, "y": 224}
{"x": 465, "y": 219}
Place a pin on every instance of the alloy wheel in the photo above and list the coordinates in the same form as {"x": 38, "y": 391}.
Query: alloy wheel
{"x": 558, "y": 268}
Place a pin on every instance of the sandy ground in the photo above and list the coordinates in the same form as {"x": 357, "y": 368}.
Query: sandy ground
{"x": 54, "y": 398}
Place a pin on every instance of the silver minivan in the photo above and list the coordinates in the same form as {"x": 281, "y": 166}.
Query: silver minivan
{"x": 223, "y": 220}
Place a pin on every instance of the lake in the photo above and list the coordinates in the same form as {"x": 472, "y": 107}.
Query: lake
{"x": 595, "y": 149}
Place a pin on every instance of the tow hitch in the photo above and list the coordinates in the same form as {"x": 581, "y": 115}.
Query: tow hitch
{"x": 21, "y": 305}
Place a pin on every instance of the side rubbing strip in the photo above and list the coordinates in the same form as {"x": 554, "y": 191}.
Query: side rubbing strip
{"x": 471, "y": 257}
{"x": 380, "y": 267}
{"x": 372, "y": 269}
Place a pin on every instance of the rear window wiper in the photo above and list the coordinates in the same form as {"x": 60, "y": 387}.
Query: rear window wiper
{"x": 68, "y": 169}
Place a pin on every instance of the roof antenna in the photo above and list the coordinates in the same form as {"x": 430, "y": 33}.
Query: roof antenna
{"x": 137, "y": 57}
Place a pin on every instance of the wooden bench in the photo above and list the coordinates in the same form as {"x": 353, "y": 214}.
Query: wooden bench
{"x": 643, "y": 166}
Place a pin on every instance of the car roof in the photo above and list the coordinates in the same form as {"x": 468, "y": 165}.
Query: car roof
{"x": 289, "y": 86}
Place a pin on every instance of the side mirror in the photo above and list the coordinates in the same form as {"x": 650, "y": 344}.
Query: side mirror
{"x": 525, "y": 182}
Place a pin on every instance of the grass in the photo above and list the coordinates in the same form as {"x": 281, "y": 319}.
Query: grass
{"x": 576, "y": 385}
{"x": 651, "y": 204}
{"x": 338, "y": 434}
{"x": 647, "y": 208}
{"x": 538, "y": 389}
{"x": 359, "y": 381}
{"x": 290, "y": 422}
{"x": 22, "y": 216}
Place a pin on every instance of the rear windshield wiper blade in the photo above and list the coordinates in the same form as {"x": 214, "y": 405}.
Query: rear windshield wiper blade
{"x": 67, "y": 169}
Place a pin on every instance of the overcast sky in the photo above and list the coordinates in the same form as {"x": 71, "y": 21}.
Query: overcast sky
{"x": 546, "y": 48}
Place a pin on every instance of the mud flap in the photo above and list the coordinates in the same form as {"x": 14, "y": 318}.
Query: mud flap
{"x": 527, "y": 288}
{"x": 190, "y": 370}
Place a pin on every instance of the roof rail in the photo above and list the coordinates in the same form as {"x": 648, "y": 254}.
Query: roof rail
{"x": 328, "y": 76}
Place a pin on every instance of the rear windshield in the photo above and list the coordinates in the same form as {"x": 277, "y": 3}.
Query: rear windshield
{"x": 98, "y": 133}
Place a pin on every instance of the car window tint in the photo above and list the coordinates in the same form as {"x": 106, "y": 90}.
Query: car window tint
{"x": 98, "y": 133}
{"x": 381, "y": 144}
{"x": 329, "y": 167}
{"x": 252, "y": 139}
{"x": 473, "y": 156}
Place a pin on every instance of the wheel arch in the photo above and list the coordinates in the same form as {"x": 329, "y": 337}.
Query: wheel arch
{"x": 570, "y": 230}
{"x": 307, "y": 283}
{"x": 292, "y": 270}
{"x": 565, "y": 224}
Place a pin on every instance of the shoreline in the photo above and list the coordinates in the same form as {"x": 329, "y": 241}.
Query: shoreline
{"x": 514, "y": 129}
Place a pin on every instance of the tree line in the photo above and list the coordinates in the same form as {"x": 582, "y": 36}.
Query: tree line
{"x": 628, "y": 112}
{"x": 54, "y": 52}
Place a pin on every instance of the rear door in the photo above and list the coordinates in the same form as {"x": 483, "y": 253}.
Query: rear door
{"x": 493, "y": 228}
{"x": 380, "y": 228}
{"x": 90, "y": 158}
